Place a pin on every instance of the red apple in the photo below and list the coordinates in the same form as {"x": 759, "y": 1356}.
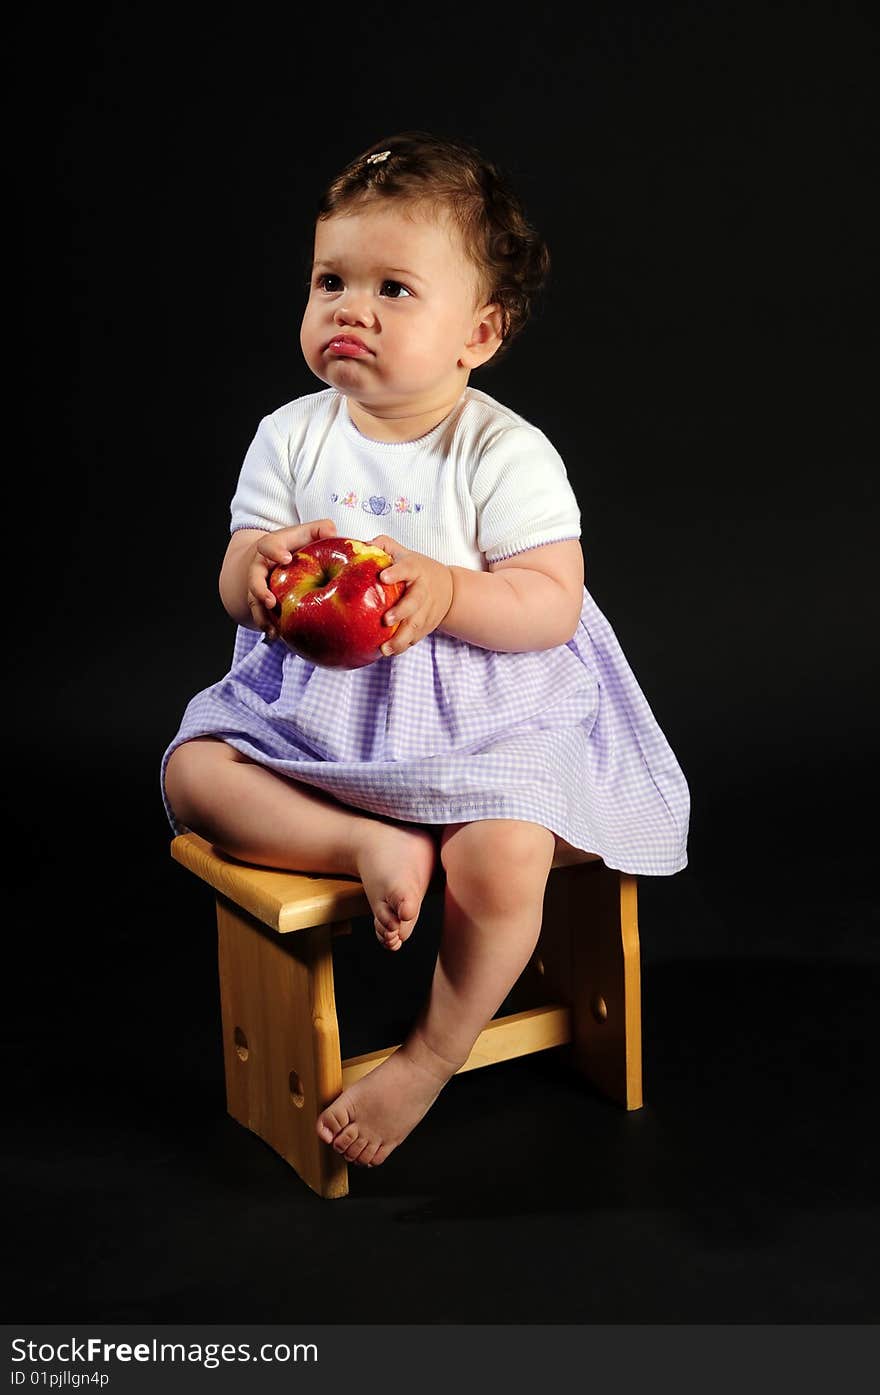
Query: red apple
{"x": 330, "y": 602}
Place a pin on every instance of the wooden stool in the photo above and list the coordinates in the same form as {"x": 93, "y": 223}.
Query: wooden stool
{"x": 280, "y": 1031}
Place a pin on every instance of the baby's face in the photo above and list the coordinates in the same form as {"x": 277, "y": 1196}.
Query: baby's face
{"x": 404, "y": 287}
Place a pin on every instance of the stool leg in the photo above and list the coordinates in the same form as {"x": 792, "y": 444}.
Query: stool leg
{"x": 590, "y": 955}
{"x": 281, "y": 1039}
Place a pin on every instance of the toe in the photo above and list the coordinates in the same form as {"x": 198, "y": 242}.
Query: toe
{"x": 331, "y": 1121}
{"x": 390, "y": 939}
{"x": 366, "y": 1157}
{"x": 405, "y": 907}
{"x": 353, "y": 1154}
{"x": 343, "y": 1140}
{"x": 386, "y": 918}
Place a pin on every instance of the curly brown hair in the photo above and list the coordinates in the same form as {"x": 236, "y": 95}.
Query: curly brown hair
{"x": 511, "y": 258}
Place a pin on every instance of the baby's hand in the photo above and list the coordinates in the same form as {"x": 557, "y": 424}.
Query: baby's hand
{"x": 426, "y": 600}
{"x": 273, "y": 550}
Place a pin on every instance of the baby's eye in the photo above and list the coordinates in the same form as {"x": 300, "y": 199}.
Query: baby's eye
{"x": 393, "y": 289}
{"x": 325, "y": 277}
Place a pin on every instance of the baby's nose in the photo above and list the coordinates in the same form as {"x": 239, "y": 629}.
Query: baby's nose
{"x": 354, "y": 310}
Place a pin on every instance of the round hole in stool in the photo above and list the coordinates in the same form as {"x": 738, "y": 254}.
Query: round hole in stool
{"x": 241, "y": 1044}
{"x": 599, "y": 1008}
{"x": 297, "y": 1094}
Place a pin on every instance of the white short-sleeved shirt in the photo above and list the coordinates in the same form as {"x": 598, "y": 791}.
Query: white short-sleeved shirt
{"x": 483, "y": 485}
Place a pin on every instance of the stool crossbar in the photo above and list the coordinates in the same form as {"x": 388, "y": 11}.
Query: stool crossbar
{"x": 281, "y": 1050}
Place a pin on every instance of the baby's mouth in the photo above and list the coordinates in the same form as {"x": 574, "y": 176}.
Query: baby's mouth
{"x": 347, "y": 347}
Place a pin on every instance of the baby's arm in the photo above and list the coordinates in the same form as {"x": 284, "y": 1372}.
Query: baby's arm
{"x": 525, "y": 508}
{"x": 530, "y": 601}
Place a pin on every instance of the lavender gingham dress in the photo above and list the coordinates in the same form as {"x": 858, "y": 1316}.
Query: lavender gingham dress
{"x": 447, "y": 732}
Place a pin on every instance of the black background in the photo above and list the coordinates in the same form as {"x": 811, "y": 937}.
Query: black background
{"x": 704, "y": 360}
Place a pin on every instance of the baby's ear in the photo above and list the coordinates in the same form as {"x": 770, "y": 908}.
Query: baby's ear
{"x": 485, "y": 337}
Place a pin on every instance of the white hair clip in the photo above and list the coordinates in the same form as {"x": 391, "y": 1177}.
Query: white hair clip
{"x": 377, "y": 158}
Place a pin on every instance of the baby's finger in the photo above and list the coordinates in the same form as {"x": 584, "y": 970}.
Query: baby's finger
{"x": 258, "y": 583}
{"x": 396, "y": 572}
{"x": 397, "y": 613}
{"x": 389, "y": 545}
{"x": 299, "y": 534}
{"x": 261, "y": 617}
{"x": 321, "y": 528}
{"x": 403, "y": 638}
{"x": 392, "y": 644}
{"x": 274, "y": 550}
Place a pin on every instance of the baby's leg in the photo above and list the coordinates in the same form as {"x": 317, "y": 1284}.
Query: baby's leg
{"x": 258, "y": 816}
{"x": 496, "y": 875}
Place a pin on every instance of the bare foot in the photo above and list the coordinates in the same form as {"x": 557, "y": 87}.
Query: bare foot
{"x": 395, "y": 865}
{"x": 368, "y": 1120}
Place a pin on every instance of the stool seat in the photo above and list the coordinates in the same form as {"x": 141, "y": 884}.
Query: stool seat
{"x": 288, "y": 901}
{"x": 276, "y": 931}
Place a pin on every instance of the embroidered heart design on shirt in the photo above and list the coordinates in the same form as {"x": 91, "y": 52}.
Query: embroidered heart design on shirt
{"x": 377, "y": 504}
